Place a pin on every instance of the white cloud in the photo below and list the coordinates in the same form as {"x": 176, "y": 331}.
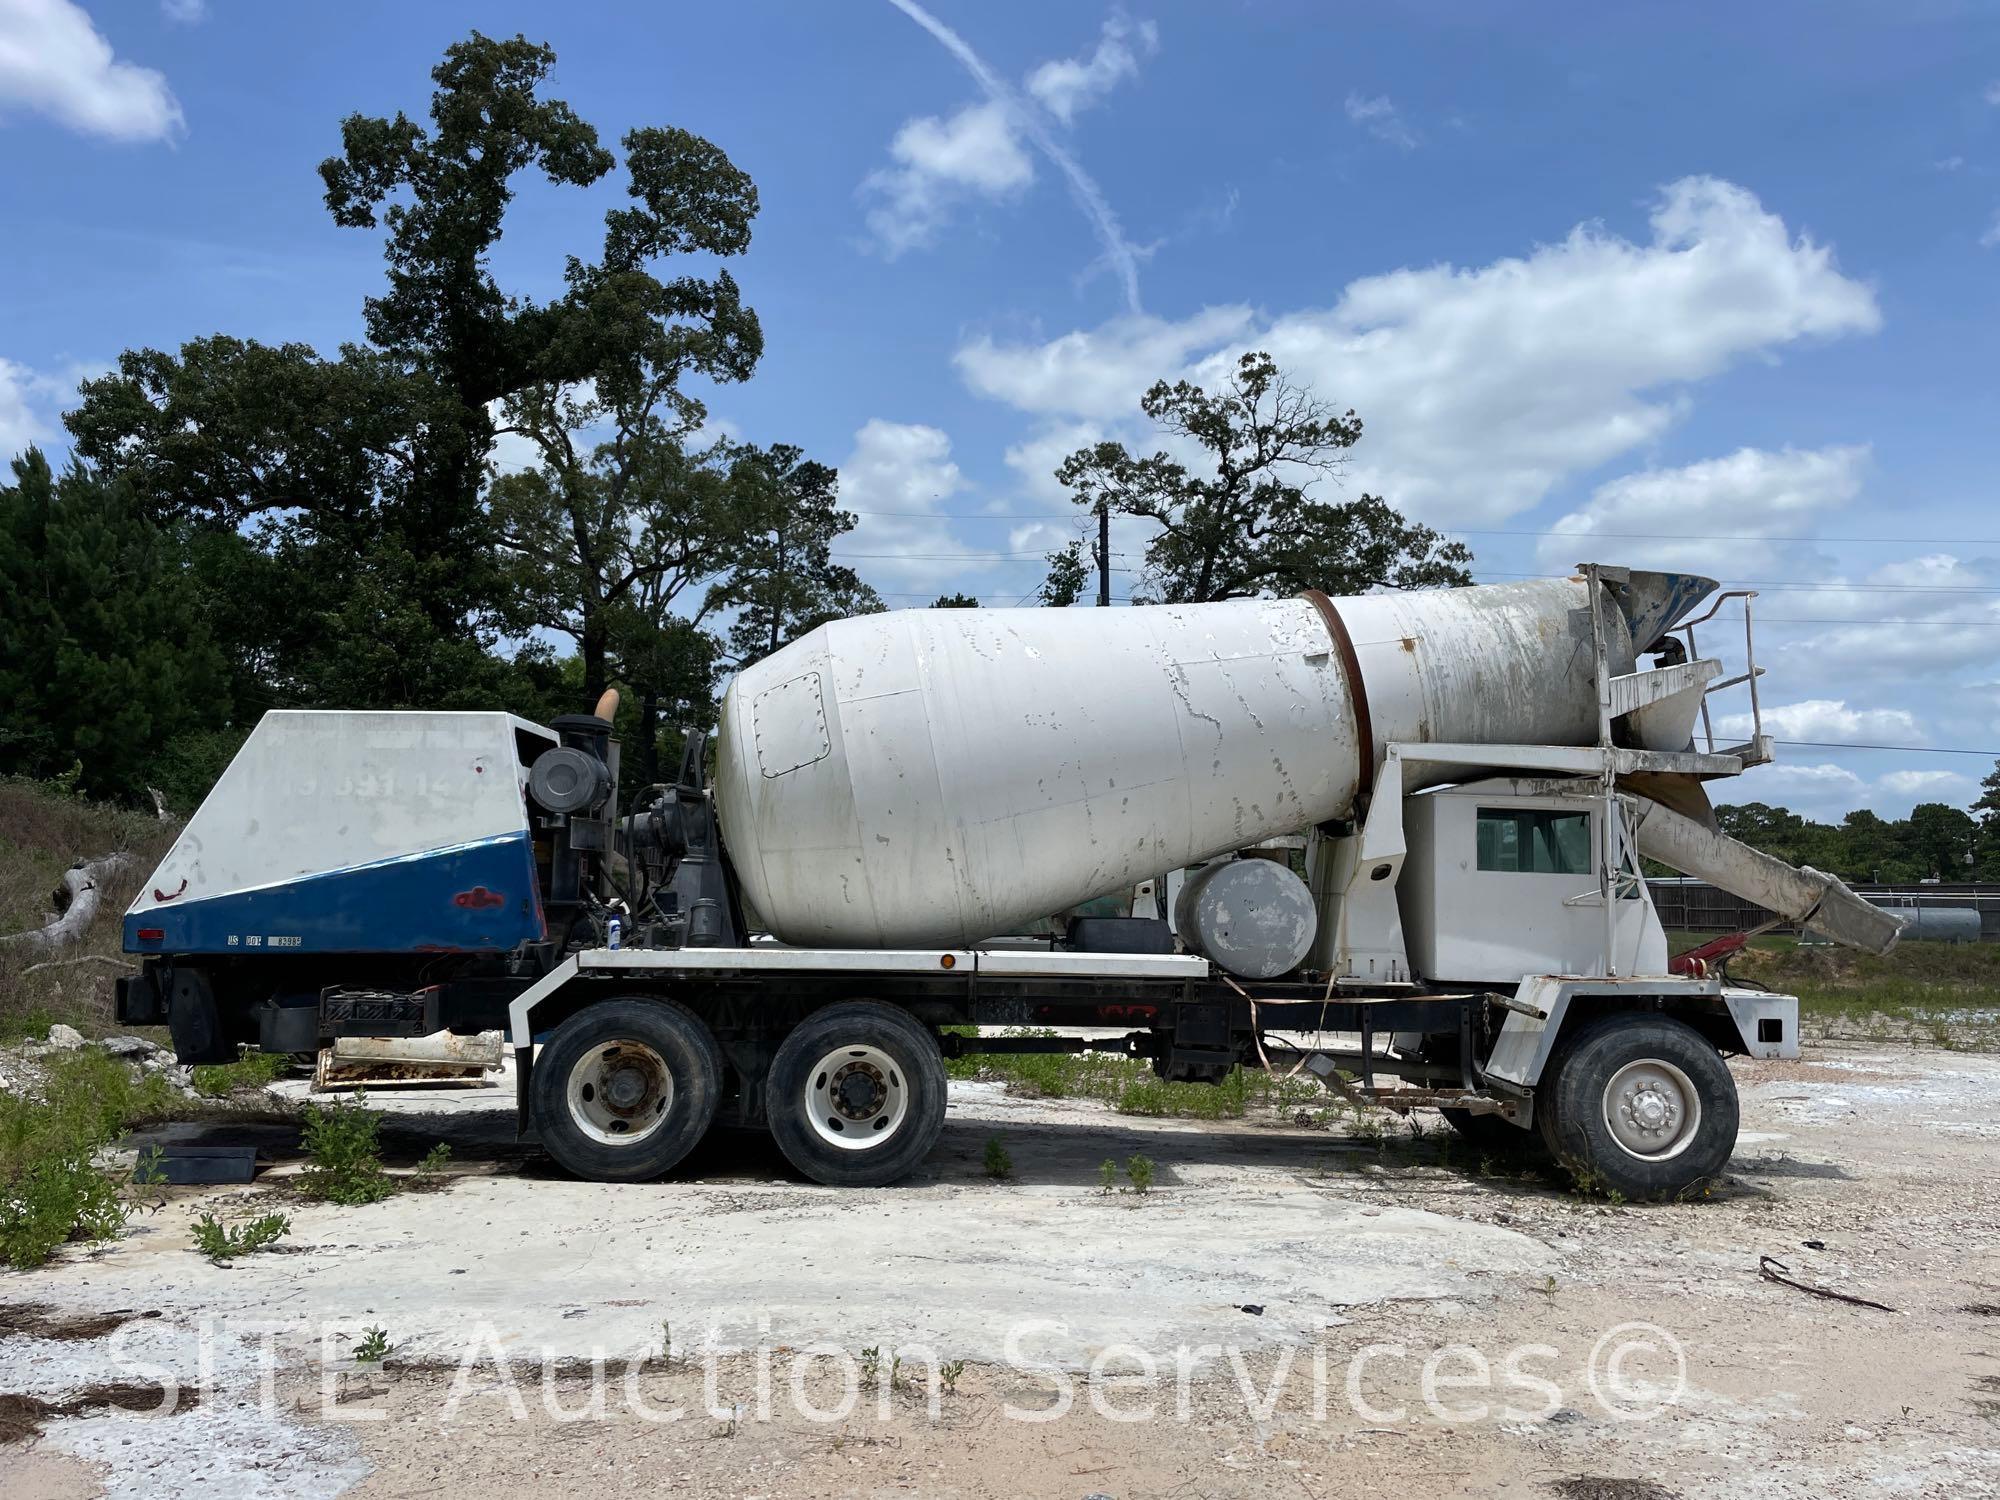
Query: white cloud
{"x": 1019, "y": 117}
{"x": 1066, "y": 85}
{"x": 1482, "y": 388}
{"x": 54, "y": 62}
{"x": 899, "y": 475}
{"x": 1827, "y": 793}
{"x": 1924, "y": 617}
{"x": 1821, "y": 791}
{"x": 31, "y": 405}
{"x": 1381, "y": 119}
{"x": 1698, "y": 517}
{"x": 185, "y": 12}
{"x": 939, "y": 164}
{"x": 1930, "y": 786}
{"x": 21, "y": 420}
{"x": 1992, "y": 94}
{"x": 1036, "y": 459}
{"x": 1992, "y": 235}
{"x": 1827, "y": 720}
{"x": 1099, "y": 374}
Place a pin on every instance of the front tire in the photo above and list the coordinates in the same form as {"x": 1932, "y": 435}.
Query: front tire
{"x": 856, "y": 1094}
{"x": 625, "y": 1088}
{"x": 1641, "y": 1106}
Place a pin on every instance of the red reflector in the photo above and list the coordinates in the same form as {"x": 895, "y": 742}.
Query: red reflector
{"x": 152, "y": 934}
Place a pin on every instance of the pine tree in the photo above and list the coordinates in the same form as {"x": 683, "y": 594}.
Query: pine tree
{"x": 103, "y": 655}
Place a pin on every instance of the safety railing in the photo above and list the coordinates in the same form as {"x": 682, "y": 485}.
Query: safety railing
{"x": 1755, "y": 751}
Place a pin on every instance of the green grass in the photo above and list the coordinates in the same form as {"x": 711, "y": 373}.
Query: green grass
{"x": 1130, "y": 1086}
{"x": 221, "y": 1242}
{"x": 1947, "y": 994}
{"x": 253, "y": 1070}
{"x": 53, "y": 1187}
{"x": 345, "y": 1161}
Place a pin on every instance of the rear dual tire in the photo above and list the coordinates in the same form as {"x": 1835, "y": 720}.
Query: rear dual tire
{"x": 856, "y": 1095}
{"x": 626, "y": 1088}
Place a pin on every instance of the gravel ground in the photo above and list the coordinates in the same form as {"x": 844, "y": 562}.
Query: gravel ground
{"x": 1321, "y": 1314}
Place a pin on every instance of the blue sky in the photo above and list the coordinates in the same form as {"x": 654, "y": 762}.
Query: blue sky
{"x": 1718, "y": 284}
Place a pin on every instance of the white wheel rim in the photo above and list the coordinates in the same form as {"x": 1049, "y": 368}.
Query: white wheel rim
{"x": 857, "y": 1098}
{"x": 1651, "y": 1109}
{"x": 620, "y": 1092}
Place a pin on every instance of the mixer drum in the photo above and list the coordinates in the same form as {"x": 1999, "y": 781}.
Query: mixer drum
{"x": 937, "y": 776}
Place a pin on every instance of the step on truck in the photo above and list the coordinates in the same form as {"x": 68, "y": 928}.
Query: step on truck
{"x": 1396, "y": 840}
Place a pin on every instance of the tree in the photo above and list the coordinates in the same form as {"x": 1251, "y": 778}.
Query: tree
{"x": 1939, "y": 839}
{"x": 366, "y": 472}
{"x": 104, "y": 658}
{"x": 784, "y": 581}
{"x": 1243, "y": 523}
{"x": 1068, "y": 577}
{"x": 1988, "y": 805}
{"x": 1986, "y": 863}
{"x": 954, "y": 601}
{"x": 597, "y": 542}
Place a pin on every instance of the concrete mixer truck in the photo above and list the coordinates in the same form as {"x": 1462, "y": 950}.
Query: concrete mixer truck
{"x": 935, "y": 832}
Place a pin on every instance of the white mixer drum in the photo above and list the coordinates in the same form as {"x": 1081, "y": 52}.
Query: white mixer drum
{"x": 937, "y": 776}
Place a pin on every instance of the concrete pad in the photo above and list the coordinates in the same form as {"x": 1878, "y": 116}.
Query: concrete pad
{"x": 951, "y": 1261}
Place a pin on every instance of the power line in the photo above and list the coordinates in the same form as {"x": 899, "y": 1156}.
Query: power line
{"x": 1780, "y": 586}
{"x": 1618, "y": 536}
{"x": 1909, "y": 749}
{"x": 1682, "y": 536}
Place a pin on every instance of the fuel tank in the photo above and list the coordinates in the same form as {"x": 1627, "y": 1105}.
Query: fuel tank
{"x": 939, "y": 776}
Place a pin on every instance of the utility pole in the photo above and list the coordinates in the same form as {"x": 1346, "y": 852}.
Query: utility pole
{"x": 1103, "y": 555}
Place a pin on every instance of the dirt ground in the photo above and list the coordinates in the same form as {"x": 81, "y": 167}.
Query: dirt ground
{"x": 1321, "y": 1314}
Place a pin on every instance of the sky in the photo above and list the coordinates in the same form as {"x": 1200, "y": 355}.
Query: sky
{"x": 1699, "y": 286}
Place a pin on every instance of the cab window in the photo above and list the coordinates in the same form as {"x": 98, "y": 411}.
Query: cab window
{"x": 1534, "y": 842}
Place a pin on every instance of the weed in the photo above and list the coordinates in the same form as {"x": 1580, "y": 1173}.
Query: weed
{"x": 220, "y": 1242}
{"x": 948, "y": 1374}
{"x": 340, "y": 1141}
{"x": 434, "y": 1162}
{"x": 999, "y": 1164}
{"x": 374, "y": 1346}
{"x": 666, "y": 1343}
{"x": 52, "y": 1187}
{"x": 253, "y": 1070}
{"x": 1140, "y": 1170}
{"x": 1107, "y": 1176}
{"x": 61, "y": 1196}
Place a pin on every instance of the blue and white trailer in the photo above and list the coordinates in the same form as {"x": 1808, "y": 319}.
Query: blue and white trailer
{"x": 1480, "y": 773}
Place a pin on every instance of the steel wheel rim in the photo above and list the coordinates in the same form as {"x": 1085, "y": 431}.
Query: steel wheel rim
{"x": 856, "y": 1098}
{"x": 620, "y": 1092}
{"x": 1651, "y": 1109}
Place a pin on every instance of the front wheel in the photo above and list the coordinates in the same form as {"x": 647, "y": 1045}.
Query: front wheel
{"x": 1641, "y": 1106}
{"x": 856, "y": 1095}
{"x": 625, "y": 1088}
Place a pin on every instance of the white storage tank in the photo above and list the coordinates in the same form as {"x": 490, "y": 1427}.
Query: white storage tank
{"x": 938, "y": 776}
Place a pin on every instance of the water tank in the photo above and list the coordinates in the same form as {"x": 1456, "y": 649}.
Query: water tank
{"x": 937, "y": 776}
{"x": 1925, "y": 922}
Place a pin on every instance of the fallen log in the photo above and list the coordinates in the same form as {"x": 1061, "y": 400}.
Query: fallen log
{"x": 76, "y": 902}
